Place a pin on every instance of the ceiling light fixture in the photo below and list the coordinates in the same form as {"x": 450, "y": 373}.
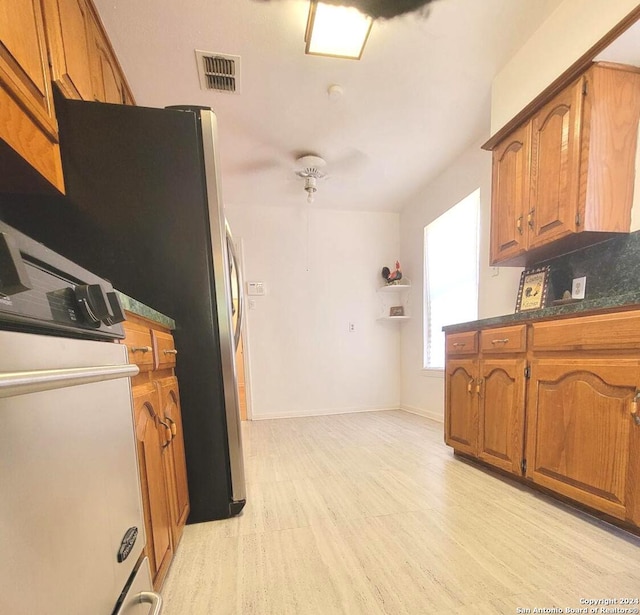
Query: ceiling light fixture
{"x": 310, "y": 169}
{"x": 336, "y": 31}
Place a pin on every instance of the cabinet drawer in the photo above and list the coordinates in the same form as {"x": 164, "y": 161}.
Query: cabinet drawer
{"x": 462, "y": 343}
{"x": 139, "y": 345}
{"x": 164, "y": 350}
{"x": 504, "y": 339}
{"x": 608, "y": 331}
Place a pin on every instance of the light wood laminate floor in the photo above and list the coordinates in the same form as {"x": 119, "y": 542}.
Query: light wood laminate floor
{"x": 370, "y": 513}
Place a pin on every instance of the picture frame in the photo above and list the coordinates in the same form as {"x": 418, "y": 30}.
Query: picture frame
{"x": 396, "y": 310}
{"x": 532, "y": 292}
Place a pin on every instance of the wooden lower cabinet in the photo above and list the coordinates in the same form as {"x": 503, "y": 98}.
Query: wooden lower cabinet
{"x": 175, "y": 461}
{"x": 461, "y": 420}
{"x": 557, "y": 404}
{"x": 161, "y": 453}
{"x": 501, "y": 389}
{"x": 582, "y": 440}
{"x": 151, "y": 439}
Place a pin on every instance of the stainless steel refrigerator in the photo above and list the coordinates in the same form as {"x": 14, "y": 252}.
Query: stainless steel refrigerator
{"x": 144, "y": 210}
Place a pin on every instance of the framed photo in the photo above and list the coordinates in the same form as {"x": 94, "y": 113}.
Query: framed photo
{"x": 532, "y": 293}
{"x": 396, "y": 310}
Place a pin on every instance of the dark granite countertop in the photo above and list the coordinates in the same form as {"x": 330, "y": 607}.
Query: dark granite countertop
{"x": 140, "y": 309}
{"x": 627, "y": 300}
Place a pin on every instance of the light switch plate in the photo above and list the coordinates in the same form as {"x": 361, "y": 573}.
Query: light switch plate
{"x": 255, "y": 288}
{"x": 578, "y": 287}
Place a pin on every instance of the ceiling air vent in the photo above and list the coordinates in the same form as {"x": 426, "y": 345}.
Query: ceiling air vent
{"x": 218, "y": 71}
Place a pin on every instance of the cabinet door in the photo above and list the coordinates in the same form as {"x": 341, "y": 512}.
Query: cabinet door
{"x": 69, "y": 32}
{"x": 106, "y": 75}
{"x": 175, "y": 461}
{"x": 23, "y": 56}
{"x": 152, "y": 438}
{"x": 461, "y": 405}
{"x": 582, "y": 440}
{"x": 28, "y": 125}
{"x": 510, "y": 195}
{"x": 555, "y": 172}
{"x": 501, "y": 413}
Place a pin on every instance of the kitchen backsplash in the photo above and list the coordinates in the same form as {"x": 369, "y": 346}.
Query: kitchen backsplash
{"x": 611, "y": 268}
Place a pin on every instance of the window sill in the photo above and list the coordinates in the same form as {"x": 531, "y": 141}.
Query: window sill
{"x": 432, "y": 372}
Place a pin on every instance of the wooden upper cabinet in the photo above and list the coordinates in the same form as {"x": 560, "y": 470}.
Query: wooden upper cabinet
{"x": 27, "y": 124}
{"x": 69, "y": 31}
{"x": 555, "y": 157}
{"x": 510, "y": 195}
{"x": 108, "y": 80}
{"x": 582, "y": 440}
{"x": 84, "y": 65}
{"x": 608, "y": 166}
{"x": 567, "y": 176}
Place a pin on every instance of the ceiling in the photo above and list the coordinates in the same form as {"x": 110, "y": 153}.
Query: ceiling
{"x": 418, "y": 97}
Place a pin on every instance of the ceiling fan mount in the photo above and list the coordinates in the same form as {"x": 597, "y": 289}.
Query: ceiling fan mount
{"x": 310, "y": 167}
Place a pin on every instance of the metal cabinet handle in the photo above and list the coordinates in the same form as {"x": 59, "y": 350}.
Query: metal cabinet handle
{"x": 171, "y": 351}
{"x": 479, "y": 387}
{"x": 459, "y": 344}
{"x": 634, "y": 409}
{"x": 141, "y": 349}
{"x": 470, "y": 386}
{"x": 167, "y": 431}
{"x": 502, "y": 341}
{"x": 519, "y": 224}
{"x": 153, "y": 599}
{"x": 530, "y": 218}
{"x": 172, "y": 426}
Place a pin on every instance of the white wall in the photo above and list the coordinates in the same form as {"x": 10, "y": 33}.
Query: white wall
{"x": 561, "y": 40}
{"x": 422, "y": 391}
{"x": 303, "y": 359}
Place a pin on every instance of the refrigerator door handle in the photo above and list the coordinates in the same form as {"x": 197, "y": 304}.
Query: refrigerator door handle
{"x": 154, "y": 599}
{"x": 236, "y": 267}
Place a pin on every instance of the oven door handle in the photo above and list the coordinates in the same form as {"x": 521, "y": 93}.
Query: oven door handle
{"x": 21, "y": 383}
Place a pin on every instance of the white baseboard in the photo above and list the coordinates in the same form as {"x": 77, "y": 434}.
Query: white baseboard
{"x": 316, "y": 412}
{"x": 430, "y": 414}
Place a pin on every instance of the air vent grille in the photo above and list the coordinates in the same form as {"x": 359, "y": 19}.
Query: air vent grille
{"x": 218, "y": 71}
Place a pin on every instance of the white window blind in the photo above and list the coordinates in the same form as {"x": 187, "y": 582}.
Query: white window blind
{"x": 451, "y": 274}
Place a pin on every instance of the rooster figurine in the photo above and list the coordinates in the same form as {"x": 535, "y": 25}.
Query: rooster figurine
{"x": 392, "y": 276}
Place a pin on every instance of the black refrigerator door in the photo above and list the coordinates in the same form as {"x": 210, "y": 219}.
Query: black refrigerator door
{"x": 136, "y": 213}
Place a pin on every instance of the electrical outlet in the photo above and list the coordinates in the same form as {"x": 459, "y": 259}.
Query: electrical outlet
{"x": 352, "y": 327}
{"x": 578, "y": 287}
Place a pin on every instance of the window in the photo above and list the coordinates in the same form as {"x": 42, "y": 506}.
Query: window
{"x": 451, "y": 274}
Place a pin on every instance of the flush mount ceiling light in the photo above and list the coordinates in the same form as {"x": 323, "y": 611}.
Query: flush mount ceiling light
{"x": 336, "y": 31}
